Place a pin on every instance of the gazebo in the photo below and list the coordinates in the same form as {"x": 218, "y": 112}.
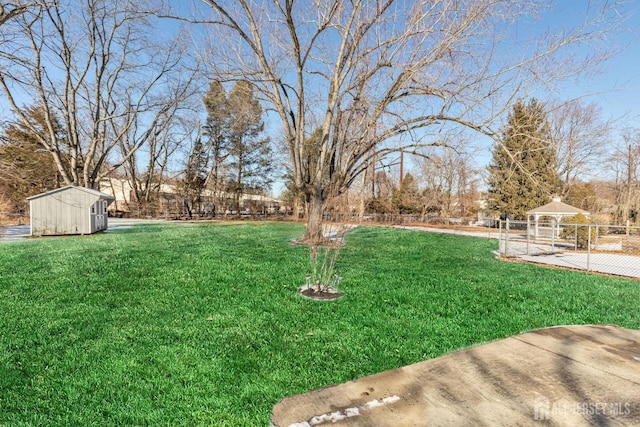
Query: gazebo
{"x": 556, "y": 210}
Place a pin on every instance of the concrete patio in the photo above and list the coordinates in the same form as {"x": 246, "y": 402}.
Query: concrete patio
{"x": 564, "y": 376}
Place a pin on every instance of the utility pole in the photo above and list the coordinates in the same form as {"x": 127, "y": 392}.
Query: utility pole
{"x": 627, "y": 209}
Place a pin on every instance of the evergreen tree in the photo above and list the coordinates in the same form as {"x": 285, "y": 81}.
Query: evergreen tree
{"x": 25, "y": 168}
{"x": 216, "y": 132}
{"x": 291, "y": 195}
{"x": 405, "y": 198}
{"x": 194, "y": 177}
{"x": 523, "y": 173}
{"x": 250, "y": 166}
{"x": 582, "y": 195}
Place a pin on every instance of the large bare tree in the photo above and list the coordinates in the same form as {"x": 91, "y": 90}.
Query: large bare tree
{"x": 146, "y": 169}
{"x": 625, "y": 162}
{"x": 379, "y": 76}
{"x": 580, "y": 136}
{"x": 102, "y": 68}
{"x": 449, "y": 182}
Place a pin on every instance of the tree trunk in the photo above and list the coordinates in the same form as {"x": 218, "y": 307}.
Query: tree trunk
{"x": 362, "y": 196}
{"x": 315, "y": 209}
{"x": 295, "y": 207}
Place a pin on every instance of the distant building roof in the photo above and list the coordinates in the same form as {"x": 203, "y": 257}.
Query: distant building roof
{"x": 86, "y": 190}
{"x": 556, "y": 207}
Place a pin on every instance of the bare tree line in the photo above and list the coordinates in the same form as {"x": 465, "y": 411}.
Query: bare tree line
{"x": 374, "y": 78}
{"x": 99, "y": 70}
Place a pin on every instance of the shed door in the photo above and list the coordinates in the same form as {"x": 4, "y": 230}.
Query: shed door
{"x": 99, "y": 210}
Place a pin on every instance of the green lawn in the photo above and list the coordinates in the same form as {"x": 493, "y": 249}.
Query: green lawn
{"x": 201, "y": 325}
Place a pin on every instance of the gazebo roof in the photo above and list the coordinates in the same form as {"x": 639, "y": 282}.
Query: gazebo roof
{"x": 556, "y": 208}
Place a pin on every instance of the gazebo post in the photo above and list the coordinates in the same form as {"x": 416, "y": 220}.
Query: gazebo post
{"x": 528, "y": 232}
{"x": 558, "y": 221}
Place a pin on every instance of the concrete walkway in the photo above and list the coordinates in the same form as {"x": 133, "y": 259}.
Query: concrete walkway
{"x": 561, "y": 376}
{"x": 16, "y": 233}
{"x": 491, "y": 233}
{"x": 619, "y": 265}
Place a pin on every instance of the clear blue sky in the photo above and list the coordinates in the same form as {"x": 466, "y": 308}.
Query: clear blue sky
{"x": 617, "y": 88}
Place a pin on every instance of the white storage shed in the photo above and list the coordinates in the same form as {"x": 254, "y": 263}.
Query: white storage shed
{"x": 69, "y": 210}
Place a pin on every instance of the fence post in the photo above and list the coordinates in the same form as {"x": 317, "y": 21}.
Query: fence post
{"x": 500, "y": 247}
{"x": 575, "y": 243}
{"x": 553, "y": 234}
{"x": 506, "y": 239}
{"x": 589, "y": 248}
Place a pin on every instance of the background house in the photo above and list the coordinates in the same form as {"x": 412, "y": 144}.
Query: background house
{"x": 169, "y": 201}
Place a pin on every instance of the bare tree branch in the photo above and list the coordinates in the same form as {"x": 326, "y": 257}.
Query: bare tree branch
{"x": 100, "y": 67}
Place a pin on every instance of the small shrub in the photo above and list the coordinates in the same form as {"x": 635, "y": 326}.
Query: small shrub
{"x": 579, "y": 233}
{"x": 323, "y": 274}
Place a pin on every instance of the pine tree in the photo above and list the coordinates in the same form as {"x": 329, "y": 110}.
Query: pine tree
{"x": 217, "y": 136}
{"x": 582, "y": 195}
{"x": 194, "y": 177}
{"x": 250, "y": 166}
{"x": 25, "y": 168}
{"x": 523, "y": 173}
{"x": 405, "y": 198}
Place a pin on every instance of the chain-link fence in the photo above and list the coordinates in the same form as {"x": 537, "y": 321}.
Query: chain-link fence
{"x": 592, "y": 247}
